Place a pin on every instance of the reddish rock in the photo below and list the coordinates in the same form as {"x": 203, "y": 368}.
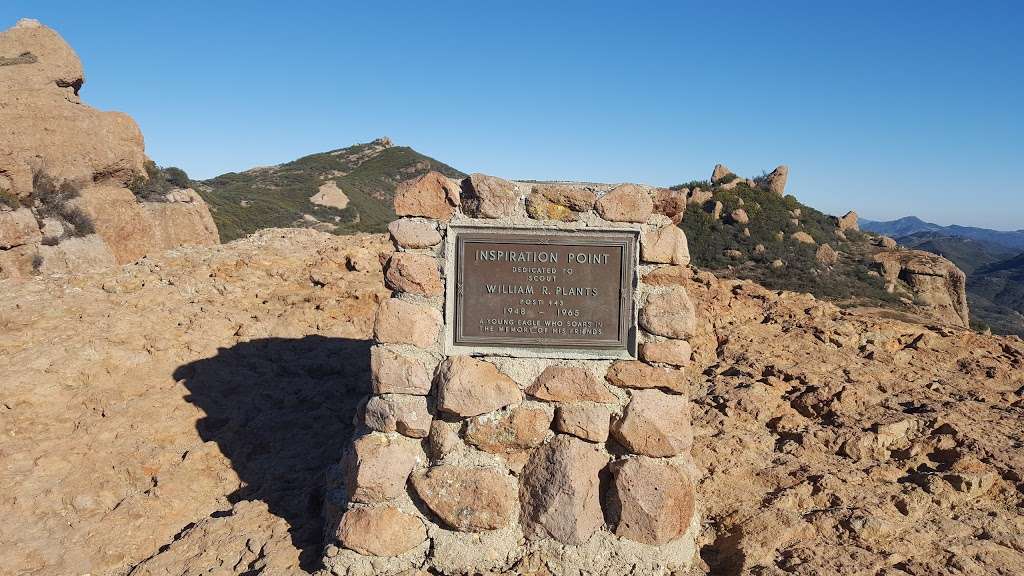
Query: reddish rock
{"x": 18, "y": 227}
{"x": 655, "y": 424}
{"x": 848, "y": 222}
{"x": 584, "y": 420}
{"x": 489, "y": 196}
{"x": 401, "y": 322}
{"x": 413, "y": 274}
{"x": 671, "y": 203}
{"x": 739, "y": 216}
{"x": 674, "y": 352}
{"x": 396, "y": 373}
{"x": 410, "y": 233}
{"x": 467, "y": 499}
{"x": 400, "y": 413}
{"x": 569, "y": 384}
{"x": 803, "y": 237}
{"x": 667, "y": 276}
{"x": 469, "y": 387}
{"x": 626, "y": 203}
{"x": 380, "y": 531}
{"x": 432, "y": 195}
{"x": 513, "y": 430}
{"x": 378, "y": 466}
{"x": 826, "y": 255}
{"x": 669, "y": 314}
{"x": 651, "y": 501}
{"x": 560, "y": 494}
{"x": 666, "y": 245}
{"x": 636, "y": 374}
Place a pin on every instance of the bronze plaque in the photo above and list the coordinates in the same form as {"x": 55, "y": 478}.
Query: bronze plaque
{"x": 544, "y": 289}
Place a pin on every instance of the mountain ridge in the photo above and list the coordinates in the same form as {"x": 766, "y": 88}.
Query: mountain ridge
{"x": 908, "y": 225}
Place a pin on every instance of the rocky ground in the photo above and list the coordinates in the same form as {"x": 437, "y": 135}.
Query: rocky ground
{"x": 178, "y": 415}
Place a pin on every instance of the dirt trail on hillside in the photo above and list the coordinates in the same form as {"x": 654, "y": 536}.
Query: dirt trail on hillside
{"x": 177, "y": 416}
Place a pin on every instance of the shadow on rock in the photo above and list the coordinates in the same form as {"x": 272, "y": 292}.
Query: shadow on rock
{"x": 281, "y": 410}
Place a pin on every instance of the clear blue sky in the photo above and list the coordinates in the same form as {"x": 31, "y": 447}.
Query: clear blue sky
{"x": 889, "y": 108}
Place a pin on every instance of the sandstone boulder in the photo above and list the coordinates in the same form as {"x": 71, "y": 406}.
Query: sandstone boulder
{"x": 585, "y": 420}
{"x": 412, "y": 233}
{"x": 636, "y": 374}
{"x": 739, "y": 216}
{"x": 670, "y": 314}
{"x": 413, "y": 274}
{"x": 489, "y": 196}
{"x": 848, "y": 222}
{"x": 665, "y": 245}
{"x": 826, "y": 255}
{"x": 432, "y": 195}
{"x": 720, "y": 173}
{"x": 655, "y": 424}
{"x": 396, "y": 373}
{"x": 667, "y": 276}
{"x": 380, "y": 531}
{"x": 776, "y": 180}
{"x": 560, "y": 494}
{"x": 673, "y": 352}
{"x": 469, "y": 387}
{"x": 514, "y": 430}
{"x": 569, "y": 384}
{"x": 401, "y": 322}
{"x": 626, "y": 203}
{"x": 402, "y": 413}
{"x": 651, "y": 500}
{"x": 937, "y": 283}
{"x": 467, "y": 499}
{"x": 803, "y": 237}
{"x": 378, "y": 466}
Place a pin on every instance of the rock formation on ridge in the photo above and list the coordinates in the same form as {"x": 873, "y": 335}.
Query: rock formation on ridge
{"x": 66, "y": 170}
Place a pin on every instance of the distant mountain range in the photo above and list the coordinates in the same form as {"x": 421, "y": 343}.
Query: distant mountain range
{"x": 908, "y": 225}
{"x": 993, "y": 261}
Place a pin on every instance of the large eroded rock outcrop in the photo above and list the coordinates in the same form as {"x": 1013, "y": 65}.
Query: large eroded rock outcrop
{"x": 66, "y": 169}
{"x": 937, "y": 284}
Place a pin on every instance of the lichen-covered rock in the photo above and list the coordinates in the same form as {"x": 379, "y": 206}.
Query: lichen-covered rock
{"x": 469, "y": 387}
{"x": 560, "y": 494}
{"x": 626, "y": 203}
{"x": 540, "y": 208}
{"x": 400, "y": 413}
{"x": 413, "y": 274}
{"x": 380, "y": 531}
{"x": 401, "y": 322}
{"x": 378, "y": 466}
{"x": 670, "y": 314}
{"x": 489, "y": 196}
{"x": 585, "y": 420}
{"x": 414, "y": 233}
{"x": 655, "y": 424}
{"x": 674, "y": 352}
{"x": 432, "y": 195}
{"x": 665, "y": 245}
{"x": 636, "y": 374}
{"x": 569, "y": 384}
{"x": 651, "y": 501}
{"x": 513, "y": 430}
{"x": 467, "y": 499}
{"x": 397, "y": 373}
{"x": 573, "y": 197}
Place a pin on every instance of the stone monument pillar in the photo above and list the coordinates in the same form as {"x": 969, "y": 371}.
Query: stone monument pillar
{"x": 529, "y": 405}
